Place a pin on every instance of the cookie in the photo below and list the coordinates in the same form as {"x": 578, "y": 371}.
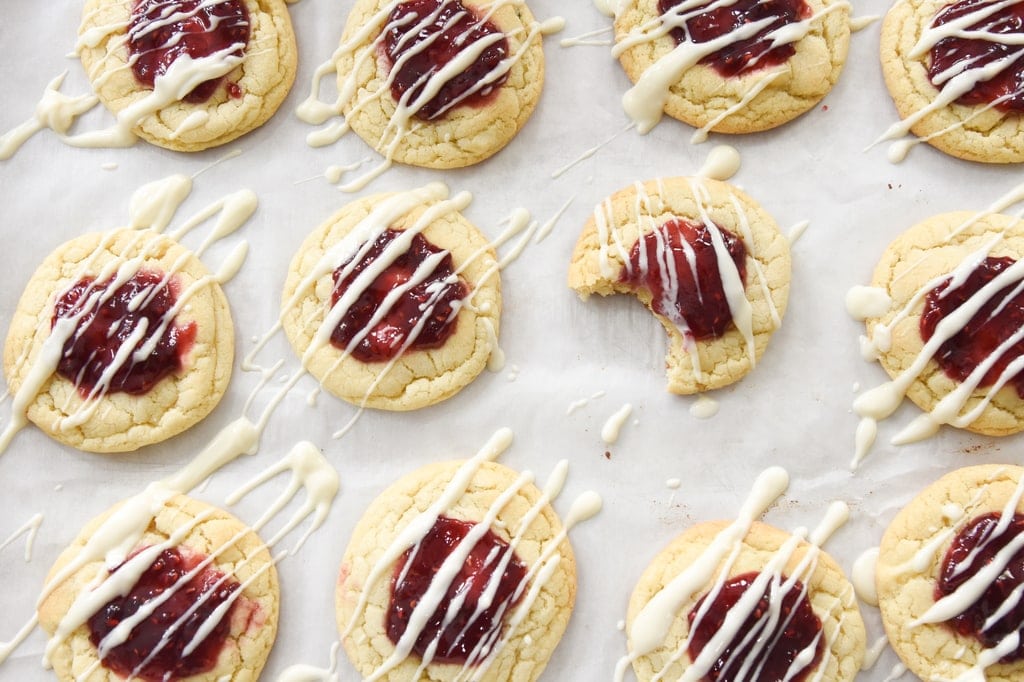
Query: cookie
{"x": 121, "y": 339}
{"x": 162, "y": 557}
{"x": 707, "y": 260}
{"x": 394, "y": 302}
{"x": 939, "y": 578}
{"x": 744, "y": 68}
{"x": 939, "y": 325}
{"x": 458, "y": 116}
{"x": 946, "y": 86}
{"x": 448, "y": 529}
{"x": 206, "y": 74}
{"x": 824, "y": 634}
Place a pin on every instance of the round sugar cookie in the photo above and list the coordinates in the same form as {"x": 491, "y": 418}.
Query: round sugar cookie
{"x": 657, "y": 218}
{"x": 914, "y": 264}
{"x": 372, "y": 248}
{"x": 171, "y": 356}
{"x": 532, "y": 601}
{"x": 969, "y": 129}
{"x": 912, "y": 564}
{"x": 121, "y": 42}
{"x": 746, "y": 85}
{"x": 233, "y": 570}
{"x": 481, "y": 107}
{"x": 821, "y": 604}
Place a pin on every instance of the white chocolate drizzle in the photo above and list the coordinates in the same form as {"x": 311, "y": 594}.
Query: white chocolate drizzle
{"x": 548, "y": 226}
{"x": 863, "y": 576}
{"x": 874, "y": 652}
{"x": 613, "y": 425}
{"x": 152, "y": 208}
{"x": 29, "y": 529}
{"x": 587, "y": 154}
{"x": 880, "y": 402}
{"x": 583, "y": 402}
{"x": 364, "y": 50}
{"x": 644, "y": 103}
{"x": 709, "y": 572}
{"x": 704, "y": 407}
{"x": 959, "y": 79}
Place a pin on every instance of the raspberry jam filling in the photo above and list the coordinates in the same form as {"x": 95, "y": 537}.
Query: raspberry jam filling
{"x": 161, "y": 31}
{"x": 997, "y": 320}
{"x": 956, "y": 52}
{"x": 431, "y": 304}
{"x": 749, "y": 54}
{"x": 973, "y": 548}
{"x": 427, "y": 35}
{"x": 152, "y": 651}
{"x": 466, "y": 636}
{"x": 776, "y": 632}
{"x": 678, "y": 264}
{"x": 108, "y": 320}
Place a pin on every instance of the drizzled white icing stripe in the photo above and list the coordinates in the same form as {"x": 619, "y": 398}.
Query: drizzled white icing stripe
{"x": 29, "y": 530}
{"x": 644, "y": 103}
{"x": 152, "y": 208}
{"x": 363, "y": 49}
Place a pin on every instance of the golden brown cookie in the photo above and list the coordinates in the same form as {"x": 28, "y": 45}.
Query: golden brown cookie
{"x": 795, "y": 578}
{"x": 914, "y": 273}
{"x": 928, "y": 553}
{"x": 416, "y": 312}
{"x": 954, "y": 113}
{"x": 470, "y": 527}
{"x": 641, "y": 240}
{"x": 491, "y": 86}
{"x": 121, "y": 339}
{"x": 221, "y": 69}
{"x": 717, "y": 70}
{"x": 185, "y": 549}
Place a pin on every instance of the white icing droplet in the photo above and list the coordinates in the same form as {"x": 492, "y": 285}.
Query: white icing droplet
{"x": 612, "y": 427}
{"x": 673, "y": 484}
{"x": 797, "y": 231}
{"x": 864, "y": 302}
{"x": 722, "y": 163}
{"x": 874, "y": 652}
{"x": 704, "y": 407}
{"x": 863, "y": 576}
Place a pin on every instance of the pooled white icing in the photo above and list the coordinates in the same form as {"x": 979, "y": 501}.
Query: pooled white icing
{"x": 55, "y": 111}
{"x": 613, "y": 425}
{"x": 722, "y": 163}
{"x": 866, "y": 302}
{"x": 704, "y": 407}
{"x": 863, "y": 576}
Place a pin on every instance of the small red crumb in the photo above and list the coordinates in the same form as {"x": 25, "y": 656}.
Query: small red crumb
{"x": 607, "y": 454}
{"x": 234, "y": 90}
{"x": 824, "y": 107}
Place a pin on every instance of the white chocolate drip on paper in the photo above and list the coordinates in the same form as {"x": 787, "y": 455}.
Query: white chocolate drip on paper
{"x": 55, "y": 111}
{"x": 722, "y": 164}
{"x": 29, "y": 529}
{"x": 960, "y": 78}
{"x": 589, "y": 153}
{"x": 365, "y": 50}
{"x": 152, "y": 208}
{"x": 548, "y": 226}
{"x": 526, "y": 592}
{"x": 644, "y": 103}
{"x": 704, "y": 407}
{"x": 880, "y": 402}
{"x": 590, "y": 39}
{"x": 708, "y": 574}
{"x": 308, "y": 673}
{"x": 583, "y": 402}
{"x": 863, "y": 576}
{"x": 613, "y": 425}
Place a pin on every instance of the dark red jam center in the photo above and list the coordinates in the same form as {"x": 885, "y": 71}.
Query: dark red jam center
{"x": 168, "y": 663}
{"x": 466, "y": 639}
{"x": 973, "y": 548}
{"x": 996, "y": 321}
{"x": 748, "y": 54}
{"x": 109, "y": 320}
{"x": 428, "y": 34}
{"x": 975, "y": 53}
{"x": 699, "y": 304}
{"x": 434, "y": 301}
{"x": 161, "y": 31}
{"x": 796, "y": 629}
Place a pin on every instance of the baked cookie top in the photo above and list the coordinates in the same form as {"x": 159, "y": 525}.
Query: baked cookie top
{"x": 951, "y": 333}
{"x": 744, "y": 68}
{"x": 955, "y": 71}
{"x": 121, "y": 339}
{"x": 165, "y": 557}
{"x": 707, "y": 260}
{"x": 948, "y": 562}
{"x": 187, "y": 74}
{"x": 394, "y": 302}
{"x": 723, "y": 571}
{"x": 439, "y": 83}
{"x": 470, "y": 528}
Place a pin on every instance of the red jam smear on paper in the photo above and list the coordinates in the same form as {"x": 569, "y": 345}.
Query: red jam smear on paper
{"x": 973, "y": 548}
{"x": 961, "y": 354}
{"x": 161, "y": 31}
{"x": 699, "y": 304}
{"x": 952, "y": 51}
{"x": 796, "y": 629}
{"x": 110, "y": 321}
{"x": 450, "y": 29}
{"x": 385, "y": 339}
{"x": 458, "y": 642}
{"x": 749, "y": 54}
{"x": 168, "y": 663}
